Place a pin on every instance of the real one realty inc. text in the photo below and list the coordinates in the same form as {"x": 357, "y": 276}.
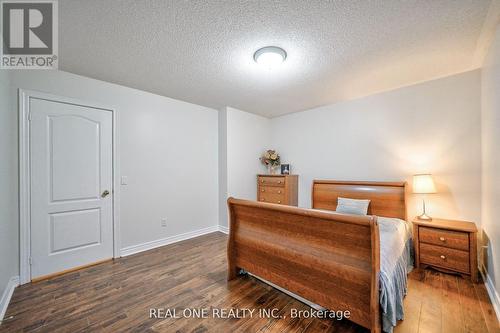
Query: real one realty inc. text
{"x": 231, "y": 313}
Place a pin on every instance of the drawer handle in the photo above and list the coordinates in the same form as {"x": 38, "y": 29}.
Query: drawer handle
{"x": 262, "y": 190}
{"x": 279, "y": 192}
{"x": 442, "y": 239}
{"x": 279, "y": 181}
{"x": 262, "y": 181}
{"x": 279, "y": 201}
{"x": 443, "y": 257}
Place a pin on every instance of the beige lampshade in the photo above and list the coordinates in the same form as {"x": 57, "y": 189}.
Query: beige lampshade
{"x": 423, "y": 184}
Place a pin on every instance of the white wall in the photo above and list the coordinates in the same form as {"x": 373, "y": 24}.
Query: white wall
{"x": 168, "y": 149}
{"x": 247, "y": 136}
{"x": 491, "y": 158}
{"x": 430, "y": 127}
{"x": 223, "y": 213}
{"x": 9, "y": 264}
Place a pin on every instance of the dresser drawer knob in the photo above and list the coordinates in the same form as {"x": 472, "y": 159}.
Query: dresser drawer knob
{"x": 442, "y": 239}
{"x": 279, "y": 192}
{"x": 279, "y": 201}
{"x": 443, "y": 257}
{"x": 279, "y": 181}
{"x": 262, "y": 199}
{"x": 262, "y": 181}
{"x": 262, "y": 190}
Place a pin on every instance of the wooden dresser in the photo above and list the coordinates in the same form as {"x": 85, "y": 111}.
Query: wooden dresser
{"x": 447, "y": 245}
{"x": 278, "y": 189}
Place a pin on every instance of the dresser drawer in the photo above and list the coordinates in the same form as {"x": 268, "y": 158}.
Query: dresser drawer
{"x": 278, "y": 189}
{"x": 452, "y": 239}
{"x": 271, "y": 190}
{"x": 272, "y": 198}
{"x": 271, "y": 181}
{"x": 444, "y": 257}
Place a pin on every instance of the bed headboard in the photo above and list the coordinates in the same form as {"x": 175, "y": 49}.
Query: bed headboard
{"x": 386, "y": 198}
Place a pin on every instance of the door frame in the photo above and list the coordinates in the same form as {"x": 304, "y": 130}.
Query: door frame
{"x": 24, "y": 97}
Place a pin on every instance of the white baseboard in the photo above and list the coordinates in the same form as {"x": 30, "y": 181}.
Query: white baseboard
{"x": 7, "y": 294}
{"x": 129, "y": 250}
{"x": 223, "y": 229}
{"x": 492, "y": 292}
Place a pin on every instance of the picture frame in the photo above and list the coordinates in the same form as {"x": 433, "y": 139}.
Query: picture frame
{"x": 285, "y": 169}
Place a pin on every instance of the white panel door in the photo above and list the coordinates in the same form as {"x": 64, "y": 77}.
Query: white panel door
{"x": 71, "y": 186}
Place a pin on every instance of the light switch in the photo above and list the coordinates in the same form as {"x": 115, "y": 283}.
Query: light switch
{"x": 124, "y": 180}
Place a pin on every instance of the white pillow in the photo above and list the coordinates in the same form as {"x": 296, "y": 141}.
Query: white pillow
{"x": 352, "y": 206}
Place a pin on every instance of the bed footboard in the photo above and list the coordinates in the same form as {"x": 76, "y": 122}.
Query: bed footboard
{"x": 327, "y": 258}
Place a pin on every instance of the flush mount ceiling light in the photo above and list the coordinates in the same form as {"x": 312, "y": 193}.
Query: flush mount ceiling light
{"x": 269, "y": 56}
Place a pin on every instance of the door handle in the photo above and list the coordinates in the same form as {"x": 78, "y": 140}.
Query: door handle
{"x": 105, "y": 194}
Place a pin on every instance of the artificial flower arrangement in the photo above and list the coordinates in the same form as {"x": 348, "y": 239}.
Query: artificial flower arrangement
{"x": 271, "y": 159}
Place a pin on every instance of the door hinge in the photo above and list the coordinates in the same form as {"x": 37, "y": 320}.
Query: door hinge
{"x": 30, "y": 260}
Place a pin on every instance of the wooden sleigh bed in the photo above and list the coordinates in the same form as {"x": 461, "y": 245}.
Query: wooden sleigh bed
{"x": 330, "y": 259}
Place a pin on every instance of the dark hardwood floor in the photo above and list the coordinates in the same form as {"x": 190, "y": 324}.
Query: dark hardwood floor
{"x": 117, "y": 297}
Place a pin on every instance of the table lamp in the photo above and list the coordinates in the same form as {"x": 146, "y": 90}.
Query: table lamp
{"x": 423, "y": 184}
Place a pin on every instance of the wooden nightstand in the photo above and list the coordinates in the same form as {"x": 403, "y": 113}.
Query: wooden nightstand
{"x": 447, "y": 245}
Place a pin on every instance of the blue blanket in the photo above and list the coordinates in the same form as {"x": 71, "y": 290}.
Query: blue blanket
{"x": 396, "y": 261}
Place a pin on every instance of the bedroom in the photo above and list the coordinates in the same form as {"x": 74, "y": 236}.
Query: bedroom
{"x": 184, "y": 105}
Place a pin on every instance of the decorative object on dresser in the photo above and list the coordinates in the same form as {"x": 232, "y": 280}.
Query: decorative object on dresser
{"x": 447, "y": 245}
{"x": 423, "y": 184}
{"x": 285, "y": 169}
{"x": 271, "y": 159}
{"x": 278, "y": 189}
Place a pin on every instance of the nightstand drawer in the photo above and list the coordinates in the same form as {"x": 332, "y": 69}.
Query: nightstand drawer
{"x": 444, "y": 257}
{"x": 452, "y": 239}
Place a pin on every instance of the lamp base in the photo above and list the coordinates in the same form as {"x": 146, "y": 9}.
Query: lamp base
{"x": 425, "y": 217}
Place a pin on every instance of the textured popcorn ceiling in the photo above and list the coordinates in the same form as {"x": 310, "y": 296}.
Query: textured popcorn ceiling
{"x": 201, "y": 51}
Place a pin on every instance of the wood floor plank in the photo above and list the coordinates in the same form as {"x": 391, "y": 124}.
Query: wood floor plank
{"x": 487, "y": 308}
{"x": 471, "y": 309}
{"x": 452, "y": 316}
{"x": 117, "y": 297}
{"x": 412, "y": 306}
{"x": 431, "y": 311}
